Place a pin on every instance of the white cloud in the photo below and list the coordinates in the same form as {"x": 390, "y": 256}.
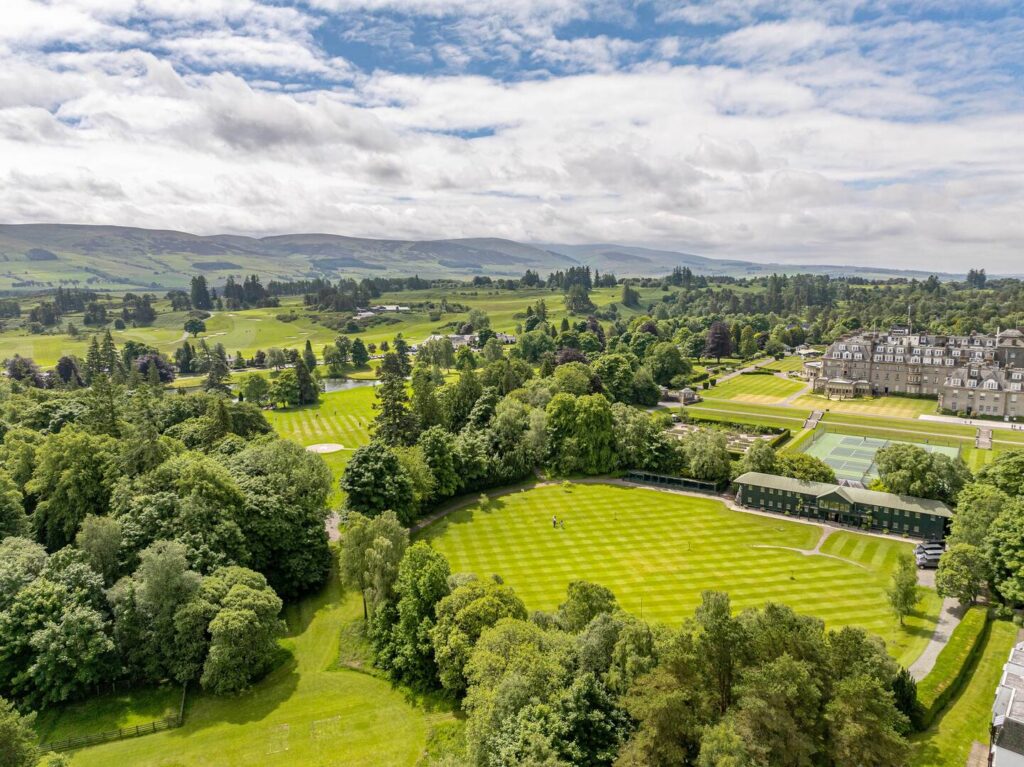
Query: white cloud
{"x": 798, "y": 139}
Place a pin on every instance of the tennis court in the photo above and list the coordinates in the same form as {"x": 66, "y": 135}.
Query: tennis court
{"x": 853, "y": 457}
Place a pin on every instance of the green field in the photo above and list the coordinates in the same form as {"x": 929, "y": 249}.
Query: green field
{"x": 108, "y": 712}
{"x": 252, "y": 329}
{"x": 341, "y": 417}
{"x": 755, "y": 389}
{"x": 310, "y": 711}
{"x": 966, "y": 719}
{"x": 657, "y": 551}
{"x": 899, "y": 407}
{"x": 789, "y": 364}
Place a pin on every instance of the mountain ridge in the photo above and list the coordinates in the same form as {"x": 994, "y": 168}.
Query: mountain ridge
{"x": 40, "y": 256}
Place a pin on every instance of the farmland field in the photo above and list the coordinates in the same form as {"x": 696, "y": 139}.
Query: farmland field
{"x": 657, "y": 551}
{"x": 755, "y": 389}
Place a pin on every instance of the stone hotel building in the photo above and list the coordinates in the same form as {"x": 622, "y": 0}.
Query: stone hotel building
{"x": 975, "y": 374}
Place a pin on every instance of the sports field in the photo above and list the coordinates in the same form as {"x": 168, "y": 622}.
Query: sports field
{"x": 658, "y": 551}
{"x": 756, "y": 389}
{"x": 341, "y": 417}
{"x": 310, "y": 711}
{"x": 853, "y": 457}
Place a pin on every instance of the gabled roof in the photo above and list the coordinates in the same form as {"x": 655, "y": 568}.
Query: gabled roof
{"x": 851, "y": 494}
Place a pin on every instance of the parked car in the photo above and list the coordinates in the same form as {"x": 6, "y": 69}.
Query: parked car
{"x": 928, "y": 560}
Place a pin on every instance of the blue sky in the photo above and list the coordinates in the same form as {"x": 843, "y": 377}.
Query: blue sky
{"x": 836, "y": 131}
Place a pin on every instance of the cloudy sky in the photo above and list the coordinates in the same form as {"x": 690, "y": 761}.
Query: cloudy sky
{"x": 845, "y": 131}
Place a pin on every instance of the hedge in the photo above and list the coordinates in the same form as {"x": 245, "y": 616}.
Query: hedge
{"x": 758, "y": 372}
{"x": 952, "y": 666}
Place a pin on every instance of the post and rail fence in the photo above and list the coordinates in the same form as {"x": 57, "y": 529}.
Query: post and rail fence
{"x": 122, "y": 733}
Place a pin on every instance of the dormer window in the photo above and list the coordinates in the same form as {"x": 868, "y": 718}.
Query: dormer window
{"x": 991, "y": 384}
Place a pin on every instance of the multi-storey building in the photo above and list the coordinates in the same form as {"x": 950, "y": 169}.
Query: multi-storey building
{"x": 975, "y": 374}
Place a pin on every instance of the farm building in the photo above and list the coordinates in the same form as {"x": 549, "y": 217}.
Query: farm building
{"x": 918, "y": 517}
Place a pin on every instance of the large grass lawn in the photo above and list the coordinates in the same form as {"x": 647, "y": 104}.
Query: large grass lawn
{"x": 900, "y": 407}
{"x": 966, "y": 719}
{"x": 108, "y": 712}
{"x": 658, "y": 551}
{"x": 756, "y": 389}
{"x": 310, "y": 711}
{"x": 786, "y": 365}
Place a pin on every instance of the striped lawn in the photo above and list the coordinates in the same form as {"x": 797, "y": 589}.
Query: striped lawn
{"x": 756, "y": 389}
{"x": 657, "y": 551}
{"x": 343, "y": 417}
{"x": 786, "y": 364}
{"x": 900, "y": 407}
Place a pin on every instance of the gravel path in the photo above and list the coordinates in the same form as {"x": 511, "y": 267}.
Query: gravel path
{"x": 949, "y": 617}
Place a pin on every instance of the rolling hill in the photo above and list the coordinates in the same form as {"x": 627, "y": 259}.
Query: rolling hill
{"x": 41, "y": 256}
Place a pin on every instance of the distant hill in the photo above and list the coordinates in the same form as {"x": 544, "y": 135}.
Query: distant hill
{"x": 39, "y": 256}
{"x": 626, "y": 260}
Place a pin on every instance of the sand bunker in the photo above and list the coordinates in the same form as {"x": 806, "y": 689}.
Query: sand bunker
{"x": 325, "y": 447}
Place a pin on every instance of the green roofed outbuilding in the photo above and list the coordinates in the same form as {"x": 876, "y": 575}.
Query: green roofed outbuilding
{"x": 869, "y": 509}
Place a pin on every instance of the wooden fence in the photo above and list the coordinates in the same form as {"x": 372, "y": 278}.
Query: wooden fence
{"x": 158, "y": 725}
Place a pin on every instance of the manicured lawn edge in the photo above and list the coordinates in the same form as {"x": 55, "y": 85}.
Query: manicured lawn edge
{"x": 950, "y": 671}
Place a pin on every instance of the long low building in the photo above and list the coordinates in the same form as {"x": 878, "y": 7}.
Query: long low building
{"x": 887, "y": 512}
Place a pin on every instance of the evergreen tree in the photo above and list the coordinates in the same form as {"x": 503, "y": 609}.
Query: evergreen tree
{"x": 309, "y": 356}
{"x": 394, "y": 424}
{"x": 359, "y": 354}
{"x": 309, "y": 390}
{"x": 200, "y": 294}
{"x": 93, "y": 361}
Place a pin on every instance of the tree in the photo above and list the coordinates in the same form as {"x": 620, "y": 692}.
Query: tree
{"x": 864, "y": 726}
{"x": 437, "y": 446}
{"x": 394, "y": 424}
{"x": 723, "y": 746}
{"x": 276, "y": 358}
{"x": 748, "y": 344}
{"x": 462, "y": 616}
{"x": 360, "y": 357}
{"x": 72, "y": 479}
{"x": 707, "y": 455}
{"x": 309, "y": 356}
{"x": 255, "y": 389}
{"x": 200, "y": 294}
{"x": 380, "y": 541}
{"x": 72, "y": 654}
{"x": 760, "y": 457}
{"x": 903, "y": 595}
{"x": 1005, "y": 472}
{"x": 285, "y": 388}
{"x": 719, "y": 341}
{"x": 804, "y": 467}
{"x": 422, "y": 582}
{"x": 218, "y": 373}
{"x": 309, "y": 390}
{"x": 194, "y": 326}
{"x": 13, "y": 519}
{"x": 1004, "y": 550}
{"x": 17, "y": 737}
{"x": 374, "y": 481}
{"x": 68, "y": 373}
{"x": 718, "y": 643}
{"x": 584, "y": 601}
{"x": 907, "y": 469}
{"x": 244, "y": 633}
{"x": 777, "y": 711}
{"x": 100, "y": 540}
{"x": 962, "y": 573}
{"x": 645, "y": 390}
{"x": 665, "y": 362}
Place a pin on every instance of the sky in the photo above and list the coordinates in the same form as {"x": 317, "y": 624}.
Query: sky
{"x": 872, "y": 132}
